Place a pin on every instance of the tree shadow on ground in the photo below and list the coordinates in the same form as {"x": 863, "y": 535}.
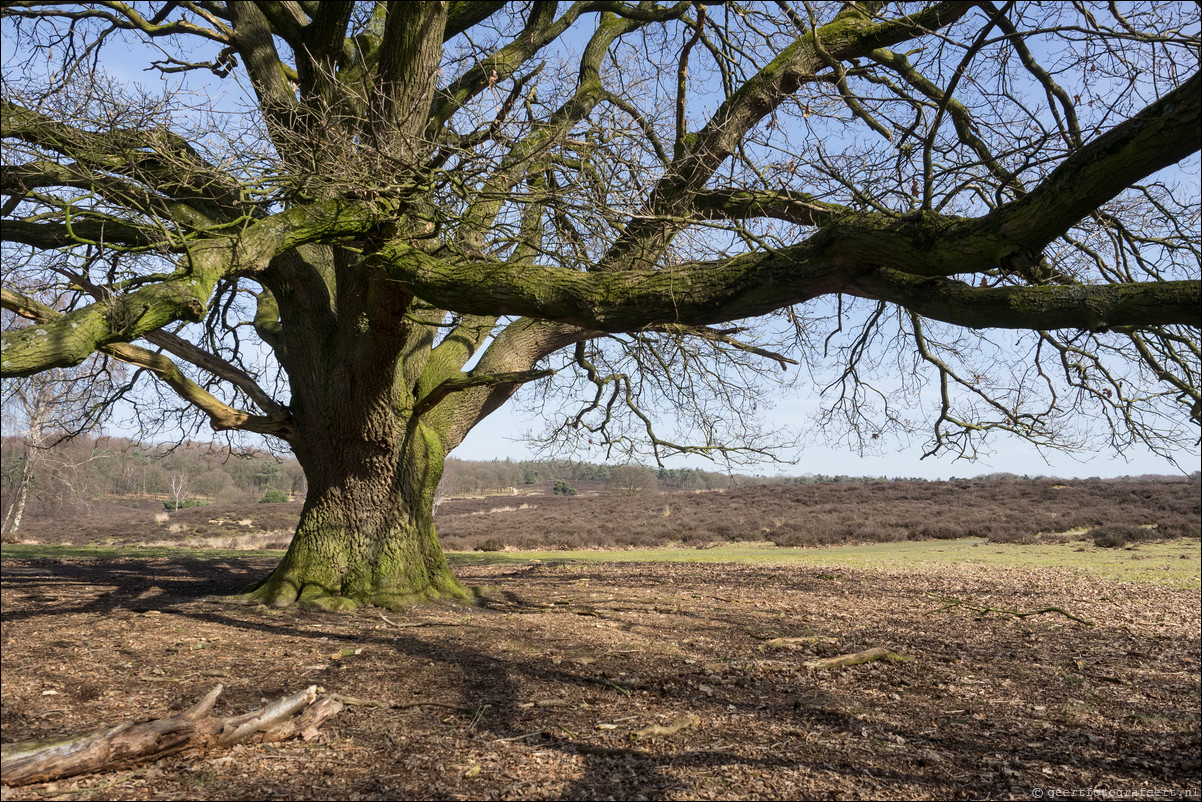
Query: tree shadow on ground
{"x": 555, "y": 653}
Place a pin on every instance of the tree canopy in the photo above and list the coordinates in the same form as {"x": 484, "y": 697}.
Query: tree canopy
{"x": 400, "y": 213}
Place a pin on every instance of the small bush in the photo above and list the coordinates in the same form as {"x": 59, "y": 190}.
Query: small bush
{"x": 273, "y": 496}
{"x": 1115, "y": 536}
{"x": 491, "y": 544}
{"x": 1175, "y": 528}
{"x": 942, "y": 532}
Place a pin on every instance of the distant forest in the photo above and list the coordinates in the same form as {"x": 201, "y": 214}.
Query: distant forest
{"x": 76, "y": 472}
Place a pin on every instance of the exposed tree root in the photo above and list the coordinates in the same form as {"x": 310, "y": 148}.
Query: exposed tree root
{"x": 854, "y": 659}
{"x": 129, "y": 744}
{"x": 333, "y": 602}
{"x": 290, "y": 586}
{"x": 983, "y": 609}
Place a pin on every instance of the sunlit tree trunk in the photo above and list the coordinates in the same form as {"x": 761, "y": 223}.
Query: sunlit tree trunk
{"x": 18, "y": 506}
{"x": 366, "y": 534}
{"x": 36, "y": 397}
{"x": 372, "y": 464}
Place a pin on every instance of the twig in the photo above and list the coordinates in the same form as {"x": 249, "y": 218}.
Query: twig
{"x": 983, "y": 609}
{"x": 357, "y": 702}
{"x": 522, "y": 737}
{"x": 457, "y": 708}
{"x": 583, "y": 748}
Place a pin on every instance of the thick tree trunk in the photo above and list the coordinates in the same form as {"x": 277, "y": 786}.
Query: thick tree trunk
{"x": 366, "y": 534}
{"x": 356, "y": 364}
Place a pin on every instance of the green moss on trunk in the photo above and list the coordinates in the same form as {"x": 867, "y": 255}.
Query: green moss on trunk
{"x": 325, "y": 567}
{"x": 366, "y": 535}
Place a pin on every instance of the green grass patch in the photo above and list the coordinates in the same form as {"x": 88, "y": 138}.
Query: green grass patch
{"x": 1177, "y": 562}
{"x": 39, "y": 551}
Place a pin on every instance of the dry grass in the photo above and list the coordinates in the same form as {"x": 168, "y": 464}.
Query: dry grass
{"x": 254, "y": 541}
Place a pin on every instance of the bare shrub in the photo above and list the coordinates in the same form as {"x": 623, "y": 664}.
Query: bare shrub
{"x": 1113, "y": 536}
{"x": 492, "y": 544}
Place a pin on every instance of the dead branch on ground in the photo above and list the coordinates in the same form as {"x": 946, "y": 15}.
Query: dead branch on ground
{"x": 984, "y": 609}
{"x": 131, "y": 743}
{"x": 856, "y": 658}
{"x": 657, "y": 731}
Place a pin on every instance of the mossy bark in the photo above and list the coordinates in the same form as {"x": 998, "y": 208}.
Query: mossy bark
{"x": 366, "y": 535}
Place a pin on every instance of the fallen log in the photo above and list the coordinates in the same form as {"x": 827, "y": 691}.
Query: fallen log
{"x": 854, "y": 659}
{"x": 132, "y": 743}
{"x": 656, "y": 731}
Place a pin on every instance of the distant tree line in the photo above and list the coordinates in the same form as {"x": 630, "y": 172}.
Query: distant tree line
{"x": 468, "y": 478}
{"x": 76, "y": 471}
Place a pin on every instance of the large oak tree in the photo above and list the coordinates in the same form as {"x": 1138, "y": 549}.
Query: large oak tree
{"x": 420, "y": 207}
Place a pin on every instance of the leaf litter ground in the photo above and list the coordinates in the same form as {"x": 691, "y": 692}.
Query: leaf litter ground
{"x": 623, "y": 681}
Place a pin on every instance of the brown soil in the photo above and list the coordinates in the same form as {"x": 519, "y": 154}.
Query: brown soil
{"x": 555, "y": 675}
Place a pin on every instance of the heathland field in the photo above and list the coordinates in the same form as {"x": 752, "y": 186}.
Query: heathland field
{"x": 532, "y": 517}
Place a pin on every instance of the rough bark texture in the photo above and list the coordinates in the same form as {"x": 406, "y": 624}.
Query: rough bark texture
{"x": 357, "y": 366}
{"x": 366, "y": 534}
